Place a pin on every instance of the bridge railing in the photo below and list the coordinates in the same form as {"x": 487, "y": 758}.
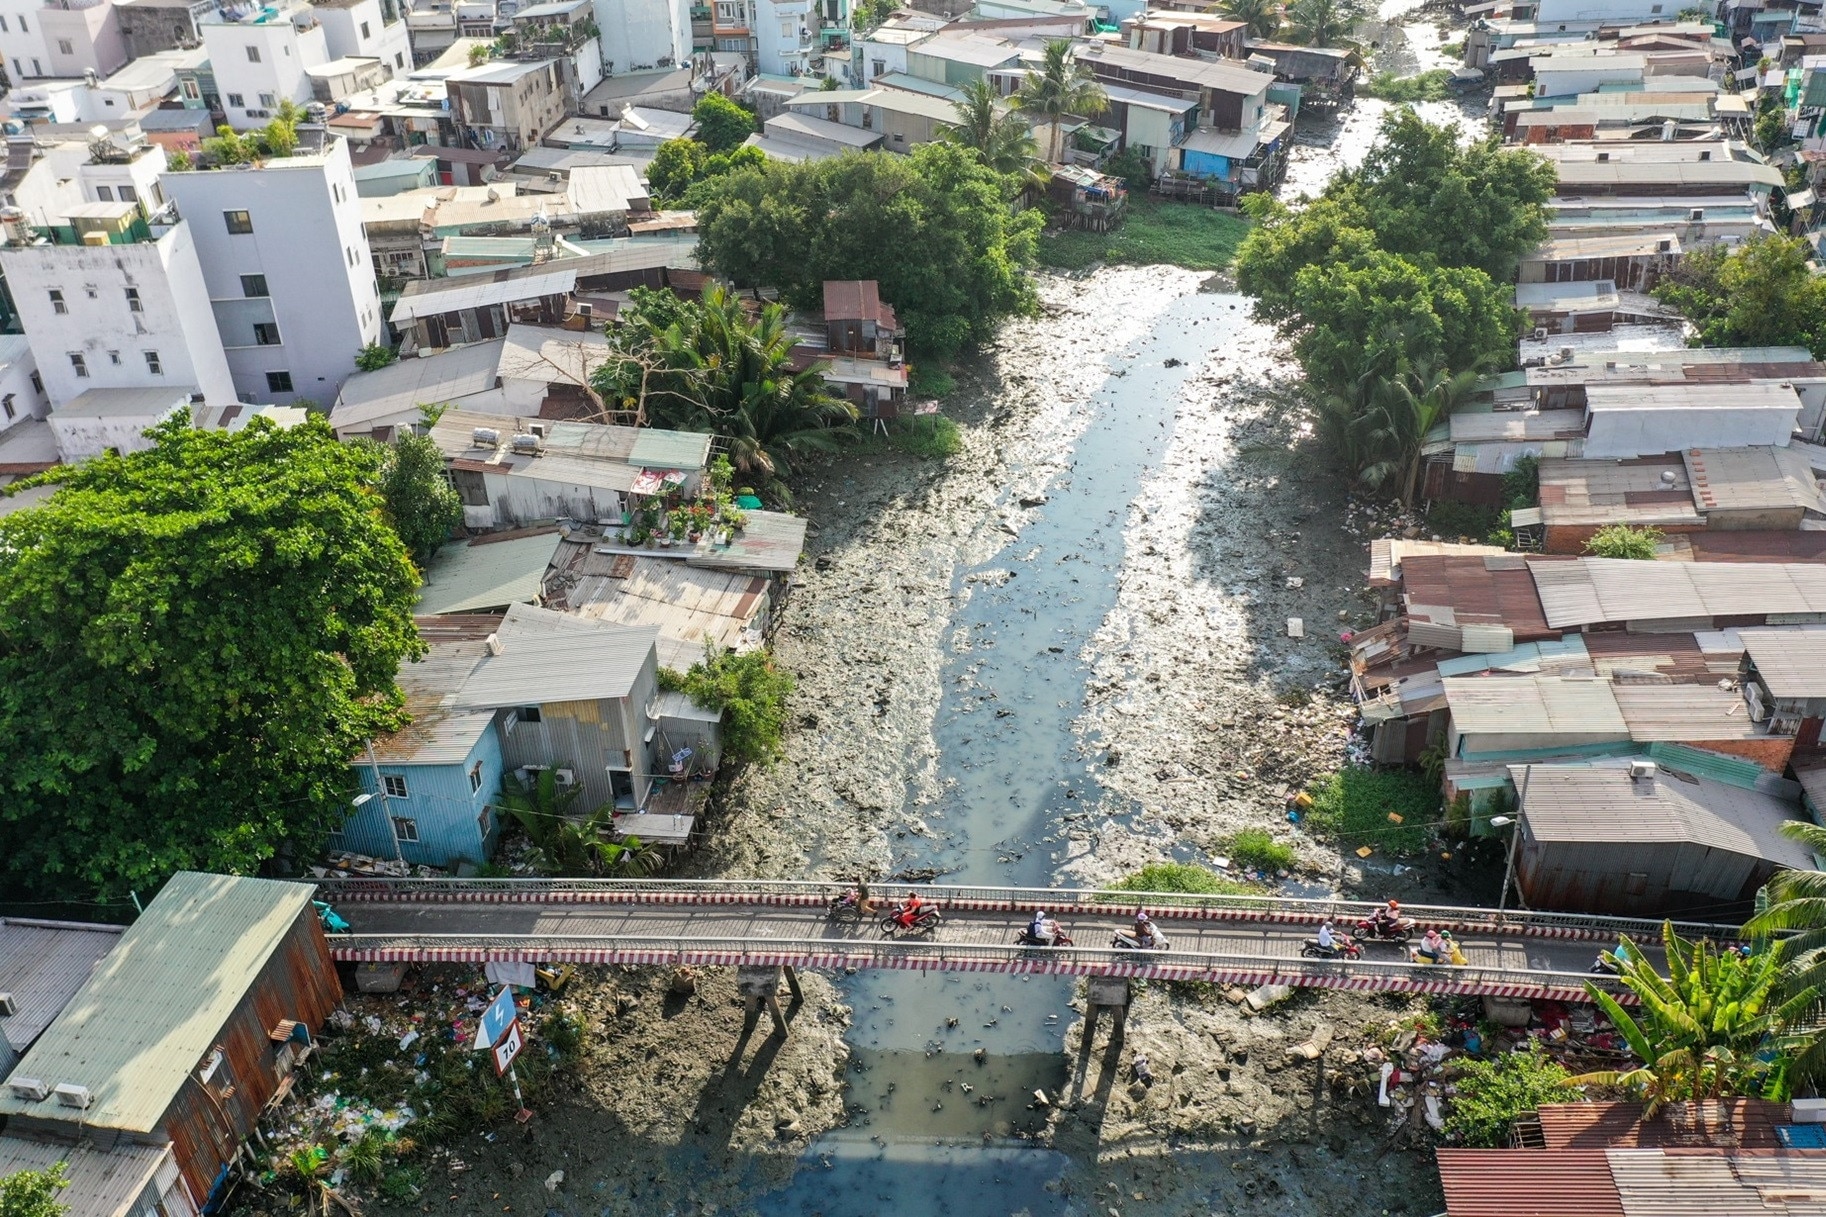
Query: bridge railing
{"x": 1019, "y": 899}
{"x": 669, "y": 949}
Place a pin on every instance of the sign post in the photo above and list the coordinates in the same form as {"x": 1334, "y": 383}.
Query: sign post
{"x": 499, "y": 1032}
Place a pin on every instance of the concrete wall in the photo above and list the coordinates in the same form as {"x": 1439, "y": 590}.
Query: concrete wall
{"x": 92, "y": 35}
{"x": 361, "y": 31}
{"x": 285, "y": 52}
{"x": 22, "y": 40}
{"x": 643, "y": 34}
{"x": 147, "y": 26}
{"x": 81, "y": 437}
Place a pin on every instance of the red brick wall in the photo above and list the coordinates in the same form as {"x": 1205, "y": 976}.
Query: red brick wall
{"x": 1771, "y": 752}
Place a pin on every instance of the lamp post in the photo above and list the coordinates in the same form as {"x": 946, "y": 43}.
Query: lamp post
{"x": 1515, "y": 840}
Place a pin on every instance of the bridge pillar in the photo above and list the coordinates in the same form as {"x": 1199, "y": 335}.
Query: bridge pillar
{"x": 1106, "y": 993}
{"x": 761, "y": 987}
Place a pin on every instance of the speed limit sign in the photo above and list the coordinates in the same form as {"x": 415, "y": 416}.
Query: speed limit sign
{"x": 508, "y": 1048}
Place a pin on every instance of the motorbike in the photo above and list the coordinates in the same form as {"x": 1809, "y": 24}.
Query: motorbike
{"x": 1126, "y": 940}
{"x": 332, "y": 921}
{"x": 1059, "y": 939}
{"x": 924, "y": 921}
{"x": 847, "y": 907}
{"x": 1375, "y": 930}
{"x": 1604, "y": 965}
{"x": 1345, "y": 947}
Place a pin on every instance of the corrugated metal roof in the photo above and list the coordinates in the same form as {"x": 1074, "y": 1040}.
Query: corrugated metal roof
{"x": 102, "y": 1182}
{"x": 657, "y": 449}
{"x": 422, "y": 297}
{"x": 1491, "y": 589}
{"x": 1686, "y": 712}
{"x": 1386, "y": 554}
{"x": 1198, "y": 73}
{"x": 1722, "y": 1123}
{"x": 155, "y": 1005}
{"x": 550, "y": 355}
{"x": 1719, "y": 398}
{"x": 1635, "y": 491}
{"x": 771, "y": 541}
{"x": 1589, "y": 591}
{"x": 1528, "y": 1183}
{"x": 588, "y": 664}
{"x": 472, "y": 577}
{"x": 406, "y": 385}
{"x": 1749, "y": 479}
{"x": 440, "y": 733}
{"x": 1599, "y": 802}
{"x": 42, "y": 965}
{"x": 1791, "y": 662}
{"x": 1712, "y": 1183}
{"x": 1534, "y": 705}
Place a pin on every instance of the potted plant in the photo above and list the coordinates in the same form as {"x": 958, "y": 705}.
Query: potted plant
{"x": 680, "y": 526}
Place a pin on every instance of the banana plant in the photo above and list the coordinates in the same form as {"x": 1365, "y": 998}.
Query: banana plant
{"x": 1718, "y": 1024}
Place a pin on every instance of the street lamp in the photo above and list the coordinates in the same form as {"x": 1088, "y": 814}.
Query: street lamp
{"x": 380, "y": 787}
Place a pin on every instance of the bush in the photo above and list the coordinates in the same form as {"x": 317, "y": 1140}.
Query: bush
{"x": 1182, "y": 877}
{"x": 928, "y": 381}
{"x": 1257, "y": 849}
{"x": 927, "y": 436}
{"x": 1492, "y": 1093}
{"x": 751, "y": 693}
{"x": 374, "y": 357}
{"x": 1453, "y": 520}
{"x": 1522, "y": 484}
{"x": 1623, "y": 541}
{"x": 1428, "y": 86}
{"x": 1354, "y": 805}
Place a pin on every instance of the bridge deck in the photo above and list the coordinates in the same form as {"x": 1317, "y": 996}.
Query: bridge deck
{"x": 655, "y": 924}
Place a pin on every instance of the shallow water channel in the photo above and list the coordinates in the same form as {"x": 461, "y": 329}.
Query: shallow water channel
{"x": 938, "y": 1132}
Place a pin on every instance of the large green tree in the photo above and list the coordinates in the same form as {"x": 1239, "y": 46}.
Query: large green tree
{"x": 1324, "y": 22}
{"x": 721, "y": 124}
{"x": 706, "y": 366}
{"x": 680, "y": 164}
{"x": 196, "y": 639}
{"x": 998, "y": 136}
{"x": 1062, "y": 87}
{"x": 422, "y": 505}
{"x": 33, "y": 1193}
{"x": 933, "y": 227}
{"x": 1760, "y": 294}
{"x": 1262, "y": 17}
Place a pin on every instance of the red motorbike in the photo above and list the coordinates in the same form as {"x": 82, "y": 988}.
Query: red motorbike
{"x": 1377, "y": 929}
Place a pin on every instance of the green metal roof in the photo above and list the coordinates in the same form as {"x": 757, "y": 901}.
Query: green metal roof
{"x": 657, "y": 449}
{"x": 494, "y": 574}
{"x": 155, "y": 1004}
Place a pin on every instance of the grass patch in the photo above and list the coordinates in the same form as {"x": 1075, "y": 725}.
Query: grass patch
{"x": 1353, "y": 805}
{"x": 1427, "y": 86}
{"x": 927, "y": 436}
{"x": 1155, "y": 233}
{"x": 1182, "y": 877}
{"x": 1469, "y": 521}
{"x": 1256, "y": 849}
{"x": 930, "y": 382}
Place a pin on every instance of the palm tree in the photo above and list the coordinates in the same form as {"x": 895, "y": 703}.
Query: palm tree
{"x": 719, "y": 372}
{"x": 1000, "y": 137}
{"x": 1404, "y": 410}
{"x": 1711, "y": 1029}
{"x": 1262, "y": 18}
{"x": 567, "y": 844}
{"x": 1324, "y": 22}
{"x": 1793, "y": 903}
{"x": 1062, "y": 87}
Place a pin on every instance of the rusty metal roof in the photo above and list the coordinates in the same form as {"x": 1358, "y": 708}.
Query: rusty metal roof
{"x": 1714, "y": 1183}
{"x": 1528, "y": 1183}
{"x": 1491, "y": 589}
{"x": 1724, "y": 1123}
{"x": 1758, "y": 546}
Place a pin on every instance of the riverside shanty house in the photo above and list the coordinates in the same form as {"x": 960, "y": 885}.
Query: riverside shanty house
{"x": 151, "y": 1079}
{"x": 861, "y": 349}
{"x": 541, "y": 690}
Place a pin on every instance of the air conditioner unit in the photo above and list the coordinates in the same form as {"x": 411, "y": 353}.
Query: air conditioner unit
{"x": 8, "y": 1005}
{"x": 72, "y": 1095}
{"x": 1753, "y": 694}
{"x": 566, "y": 777}
{"x": 1696, "y": 214}
{"x": 485, "y": 437}
{"x": 1643, "y": 771}
{"x": 552, "y": 175}
{"x": 29, "y": 1089}
{"x": 494, "y": 644}
{"x": 1540, "y": 333}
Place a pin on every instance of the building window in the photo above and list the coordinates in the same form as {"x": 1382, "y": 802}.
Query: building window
{"x": 80, "y": 364}
{"x": 133, "y": 301}
{"x": 104, "y": 194}
{"x": 278, "y": 382}
{"x": 395, "y": 784}
{"x": 484, "y": 823}
{"x": 114, "y": 358}
{"x": 266, "y": 334}
{"x": 6, "y": 403}
{"x": 529, "y": 714}
{"x": 57, "y": 304}
{"x": 268, "y": 100}
{"x": 153, "y": 365}
{"x": 364, "y": 29}
{"x": 254, "y": 285}
{"x": 406, "y": 830}
{"x": 3, "y": 30}
{"x": 37, "y": 384}
{"x": 399, "y": 59}
{"x": 475, "y": 770}
{"x": 126, "y": 194}
{"x": 237, "y": 101}
{"x": 239, "y": 222}
{"x": 253, "y": 54}
{"x": 65, "y": 47}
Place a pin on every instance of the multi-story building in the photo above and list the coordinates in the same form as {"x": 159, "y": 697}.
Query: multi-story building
{"x": 794, "y": 37}
{"x": 507, "y": 105}
{"x": 433, "y": 27}
{"x": 62, "y": 38}
{"x": 366, "y": 29}
{"x": 289, "y": 276}
{"x": 640, "y": 35}
{"x": 161, "y": 25}
{"x": 259, "y": 58}
{"x": 108, "y": 298}
{"x": 732, "y": 25}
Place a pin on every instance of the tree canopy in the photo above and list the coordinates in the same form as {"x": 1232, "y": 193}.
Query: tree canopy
{"x": 1324, "y": 22}
{"x": 997, "y": 135}
{"x": 934, "y": 228}
{"x": 721, "y": 124}
{"x": 1761, "y": 294}
{"x": 197, "y": 639}
{"x": 422, "y": 505}
{"x": 680, "y": 164}
{"x": 33, "y": 1193}
{"x": 1061, "y": 87}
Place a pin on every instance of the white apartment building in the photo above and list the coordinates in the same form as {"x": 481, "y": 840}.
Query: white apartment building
{"x": 639, "y": 35}
{"x": 289, "y": 276}
{"x": 259, "y": 57}
{"x": 792, "y": 36}
{"x": 366, "y": 29}
{"x": 21, "y": 390}
{"x": 64, "y": 38}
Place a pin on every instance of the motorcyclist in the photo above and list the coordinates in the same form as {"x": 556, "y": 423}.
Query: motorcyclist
{"x": 1432, "y": 948}
{"x": 1043, "y": 928}
{"x": 907, "y": 915}
{"x": 1145, "y": 932}
{"x": 1328, "y": 940}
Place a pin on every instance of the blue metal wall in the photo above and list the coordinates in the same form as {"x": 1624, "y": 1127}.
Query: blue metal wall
{"x": 439, "y": 801}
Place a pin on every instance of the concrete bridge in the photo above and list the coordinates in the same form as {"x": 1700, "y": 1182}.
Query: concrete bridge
{"x": 1242, "y": 940}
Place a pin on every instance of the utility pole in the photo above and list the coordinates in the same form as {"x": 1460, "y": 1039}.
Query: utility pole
{"x": 1515, "y": 840}
{"x": 386, "y": 808}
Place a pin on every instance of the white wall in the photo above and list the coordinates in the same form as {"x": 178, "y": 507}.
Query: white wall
{"x": 892, "y": 56}
{"x": 22, "y": 41}
{"x": 344, "y": 37}
{"x": 98, "y": 323}
{"x": 16, "y": 389}
{"x": 307, "y": 241}
{"x": 92, "y": 35}
{"x": 637, "y": 34}
{"x": 284, "y": 53}
{"x": 81, "y": 437}
{"x": 1552, "y": 12}
{"x": 1624, "y": 434}
{"x": 776, "y": 34}
{"x": 140, "y": 175}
